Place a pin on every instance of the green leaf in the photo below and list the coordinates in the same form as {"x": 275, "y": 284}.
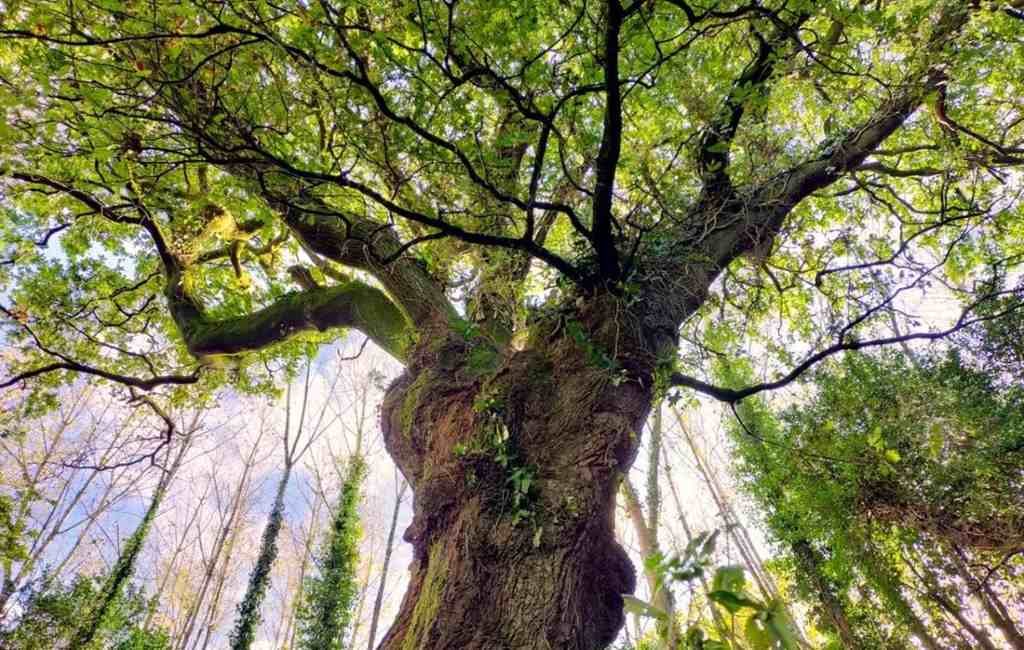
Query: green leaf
{"x": 757, "y": 634}
{"x": 729, "y": 578}
{"x": 781, "y": 626}
{"x": 734, "y": 602}
{"x": 638, "y": 607}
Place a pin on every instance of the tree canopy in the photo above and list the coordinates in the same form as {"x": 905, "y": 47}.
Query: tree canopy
{"x": 489, "y": 153}
{"x": 553, "y": 214}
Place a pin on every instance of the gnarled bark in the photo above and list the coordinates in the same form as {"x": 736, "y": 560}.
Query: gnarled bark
{"x": 498, "y": 565}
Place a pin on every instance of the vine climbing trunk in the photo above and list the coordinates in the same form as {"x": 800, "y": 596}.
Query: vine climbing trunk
{"x": 124, "y": 567}
{"x": 833, "y": 606}
{"x": 244, "y": 632}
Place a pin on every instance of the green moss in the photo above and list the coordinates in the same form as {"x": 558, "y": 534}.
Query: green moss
{"x": 353, "y": 304}
{"x": 381, "y": 319}
{"x": 412, "y": 399}
{"x": 483, "y": 360}
{"x": 429, "y": 601}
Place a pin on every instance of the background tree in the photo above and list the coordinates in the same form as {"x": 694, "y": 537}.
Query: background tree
{"x": 523, "y": 205}
{"x": 52, "y": 619}
{"x": 899, "y": 481}
{"x": 121, "y": 574}
{"x": 329, "y": 597}
{"x": 388, "y": 550}
{"x": 295, "y": 444}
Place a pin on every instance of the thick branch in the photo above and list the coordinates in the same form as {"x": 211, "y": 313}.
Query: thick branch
{"x": 716, "y": 140}
{"x": 355, "y": 304}
{"x": 144, "y": 383}
{"x": 360, "y": 243}
{"x": 760, "y": 211}
{"x": 849, "y": 152}
{"x": 611, "y": 146}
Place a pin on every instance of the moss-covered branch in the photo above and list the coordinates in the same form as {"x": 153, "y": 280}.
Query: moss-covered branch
{"x": 353, "y": 304}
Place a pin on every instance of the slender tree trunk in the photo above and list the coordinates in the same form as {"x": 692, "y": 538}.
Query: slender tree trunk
{"x": 723, "y": 629}
{"x": 647, "y": 529}
{"x": 888, "y": 585}
{"x": 989, "y": 601}
{"x": 810, "y": 563}
{"x": 357, "y": 616}
{"x": 661, "y": 597}
{"x": 124, "y": 567}
{"x": 249, "y": 609}
{"x": 213, "y": 609}
{"x": 981, "y": 636}
{"x": 307, "y": 553}
{"x": 379, "y": 601}
{"x": 222, "y": 537}
{"x": 735, "y": 528}
{"x": 172, "y": 565}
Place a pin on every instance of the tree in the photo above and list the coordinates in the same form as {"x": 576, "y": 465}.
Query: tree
{"x": 295, "y": 447}
{"x": 215, "y": 565}
{"x": 55, "y": 617}
{"x": 124, "y": 567}
{"x": 88, "y": 450}
{"x": 328, "y": 598}
{"x": 522, "y": 204}
{"x": 388, "y": 549}
{"x": 884, "y": 482}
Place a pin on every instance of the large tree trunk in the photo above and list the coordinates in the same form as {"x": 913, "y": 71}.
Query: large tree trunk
{"x": 496, "y": 565}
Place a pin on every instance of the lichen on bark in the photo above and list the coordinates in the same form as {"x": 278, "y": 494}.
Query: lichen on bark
{"x": 353, "y": 304}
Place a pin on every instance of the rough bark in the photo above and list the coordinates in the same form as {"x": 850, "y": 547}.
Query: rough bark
{"x": 485, "y": 576}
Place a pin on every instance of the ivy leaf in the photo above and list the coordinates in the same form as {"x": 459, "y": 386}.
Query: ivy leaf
{"x": 729, "y": 578}
{"x": 734, "y": 602}
{"x": 639, "y": 607}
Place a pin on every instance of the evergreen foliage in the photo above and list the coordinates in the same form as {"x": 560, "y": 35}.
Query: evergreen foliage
{"x": 53, "y": 618}
{"x": 111, "y": 591}
{"x": 327, "y": 599}
{"x": 893, "y": 469}
{"x": 249, "y": 616}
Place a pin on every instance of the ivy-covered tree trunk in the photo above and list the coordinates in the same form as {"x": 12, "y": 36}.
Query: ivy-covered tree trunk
{"x": 833, "y": 609}
{"x": 124, "y": 567}
{"x": 249, "y": 618}
{"x": 325, "y": 611}
{"x": 515, "y": 462}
